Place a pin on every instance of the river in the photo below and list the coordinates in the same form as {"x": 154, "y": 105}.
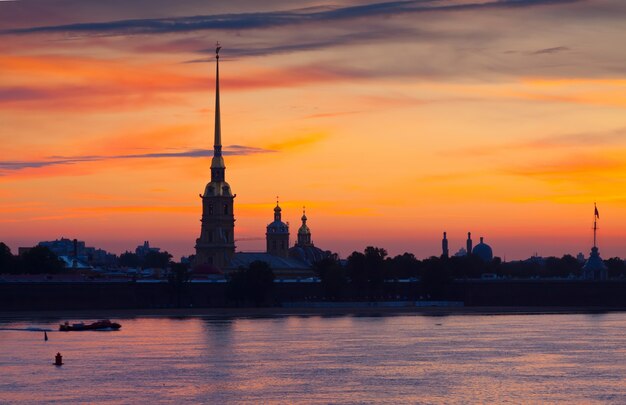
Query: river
{"x": 564, "y": 358}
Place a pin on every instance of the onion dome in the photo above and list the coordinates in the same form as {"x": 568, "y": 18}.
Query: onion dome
{"x": 278, "y": 226}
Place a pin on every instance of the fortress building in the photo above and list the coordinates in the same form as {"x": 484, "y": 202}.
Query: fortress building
{"x": 216, "y": 244}
{"x": 215, "y": 248}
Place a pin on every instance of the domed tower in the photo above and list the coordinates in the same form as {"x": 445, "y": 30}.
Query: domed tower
{"x": 304, "y": 250}
{"x": 304, "y": 233}
{"x": 483, "y": 251}
{"x": 277, "y": 235}
{"x": 216, "y": 244}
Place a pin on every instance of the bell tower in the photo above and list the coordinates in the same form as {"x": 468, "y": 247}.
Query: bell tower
{"x": 277, "y": 235}
{"x": 216, "y": 244}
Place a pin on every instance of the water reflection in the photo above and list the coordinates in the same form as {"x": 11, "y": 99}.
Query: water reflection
{"x": 338, "y": 359}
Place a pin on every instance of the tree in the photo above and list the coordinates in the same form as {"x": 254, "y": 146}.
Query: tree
{"x": 375, "y": 268}
{"x": 402, "y": 266}
{"x": 178, "y": 278}
{"x": 562, "y": 267}
{"x": 366, "y": 270}
{"x": 615, "y": 267}
{"x": 39, "y": 260}
{"x": 129, "y": 259}
{"x": 160, "y": 260}
{"x": 332, "y": 276}
{"x": 355, "y": 268}
{"x": 7, "y": 261}
{"x": 435, "y": 274}
{"x": 254, "y": 283}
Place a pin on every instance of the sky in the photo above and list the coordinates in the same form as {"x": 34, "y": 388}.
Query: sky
{"x": 391, "y": 121}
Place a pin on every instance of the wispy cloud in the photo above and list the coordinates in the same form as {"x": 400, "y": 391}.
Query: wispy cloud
{"x": 261, "y": 20}
{"x": 549, "y": 51}
{"x": 233, "y": 150}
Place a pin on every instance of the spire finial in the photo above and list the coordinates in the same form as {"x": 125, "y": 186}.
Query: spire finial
{"x": 277, "y": 201}
{"x": 217, "y": 49}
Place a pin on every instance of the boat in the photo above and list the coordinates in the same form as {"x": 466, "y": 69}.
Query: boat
{"x": 99, "y": 325}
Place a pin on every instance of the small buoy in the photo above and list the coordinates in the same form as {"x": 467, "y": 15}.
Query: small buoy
{"x": 58, "y": 360}
{"x": 45, "y": 335}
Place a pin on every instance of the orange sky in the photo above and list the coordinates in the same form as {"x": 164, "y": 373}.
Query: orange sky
{"x": 391, "y": 122}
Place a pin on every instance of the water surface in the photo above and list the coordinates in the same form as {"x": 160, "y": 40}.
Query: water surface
{"x": 343, "y": 359}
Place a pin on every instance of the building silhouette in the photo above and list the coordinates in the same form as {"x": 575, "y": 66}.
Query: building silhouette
{"x": 304, "y": 249}
{"x": 277, "y": 235}
{"x": 215, "y": 248}
{"x": 483, "y": 251}
{"x": 594, "y": 268}
{"x": 468, "y": 243}
{"x": 216, "y": 244}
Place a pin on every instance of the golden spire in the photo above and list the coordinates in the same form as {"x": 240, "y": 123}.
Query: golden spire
{"x": 217, "y": 147}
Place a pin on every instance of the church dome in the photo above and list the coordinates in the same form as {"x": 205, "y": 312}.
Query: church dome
{"x": 308, "y": 254}
{"x": 304, "y": 230}
{"x": 278, "y": 226}
{"x": 483, "y": 251}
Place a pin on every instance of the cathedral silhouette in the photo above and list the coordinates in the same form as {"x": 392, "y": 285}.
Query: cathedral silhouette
{"x": 215, "y": 247}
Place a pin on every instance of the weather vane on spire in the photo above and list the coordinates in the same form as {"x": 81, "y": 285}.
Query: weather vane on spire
{"x": 217, "y": 49}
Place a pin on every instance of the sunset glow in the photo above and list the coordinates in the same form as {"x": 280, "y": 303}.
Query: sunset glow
{"x": 390, "y": 122}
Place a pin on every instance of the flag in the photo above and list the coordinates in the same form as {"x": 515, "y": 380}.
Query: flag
{"x": 596, "y": 212}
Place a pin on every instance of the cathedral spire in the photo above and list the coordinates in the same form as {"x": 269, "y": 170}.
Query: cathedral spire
{"x": 218, "y": 168}
{"x": 217, "y": 146}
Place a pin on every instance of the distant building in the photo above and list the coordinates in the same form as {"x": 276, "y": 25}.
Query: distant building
{"x": 461, "y": 252}
{"x": 468, "y": 243}
{"x": 444, "y": 246}
{"x": 66, "y": 247}
{"x": 594, "y": 268}
{"x": 142, "y": 250}
{"x": 75, "y": 254}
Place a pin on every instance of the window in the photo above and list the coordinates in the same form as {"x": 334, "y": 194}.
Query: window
{"x": 210, "y": 209}
{"x": 225, "y": 209}
{"x": 226, "y": 236}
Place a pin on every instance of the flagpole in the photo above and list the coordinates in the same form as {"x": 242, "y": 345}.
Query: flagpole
{"x": 595, "y": 221}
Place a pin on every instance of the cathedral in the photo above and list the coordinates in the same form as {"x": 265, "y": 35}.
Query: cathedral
{"x": 215, "y": 247}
